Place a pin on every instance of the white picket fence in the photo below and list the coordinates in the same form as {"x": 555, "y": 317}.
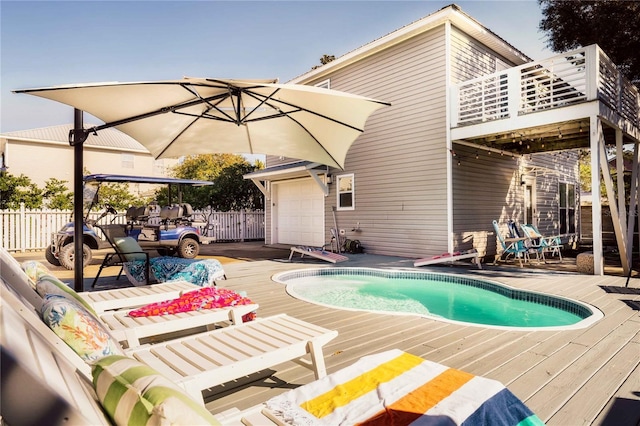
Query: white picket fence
{"x": 26, "y": 229}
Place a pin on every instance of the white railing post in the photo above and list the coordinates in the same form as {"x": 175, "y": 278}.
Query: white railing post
{"x": 514, "y": 91}
{"x": 592, "y": 61}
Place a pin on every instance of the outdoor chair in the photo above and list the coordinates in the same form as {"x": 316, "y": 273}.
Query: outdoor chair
{"x": 540, "y": 243}
{"x": 513, "y": 246}
{"x": 125, "y": 249}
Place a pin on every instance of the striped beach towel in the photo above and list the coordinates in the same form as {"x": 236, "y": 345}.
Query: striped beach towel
{"x": 397, "y": 388}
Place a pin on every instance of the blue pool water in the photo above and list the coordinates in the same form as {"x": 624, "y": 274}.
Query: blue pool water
{"x": 442, "y": 296}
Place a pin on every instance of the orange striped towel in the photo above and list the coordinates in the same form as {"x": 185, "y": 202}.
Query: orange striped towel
{"x": 398, "y": 388}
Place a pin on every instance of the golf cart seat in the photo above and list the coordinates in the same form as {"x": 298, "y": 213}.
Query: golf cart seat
{"x": 169, "y": 215}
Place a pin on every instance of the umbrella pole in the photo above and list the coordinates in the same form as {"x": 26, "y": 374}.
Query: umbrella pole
{"x": 76, "y": 139}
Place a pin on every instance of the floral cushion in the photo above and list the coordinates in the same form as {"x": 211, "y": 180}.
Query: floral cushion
{"x": 133, "y": 393}
{"x": 48, "y": 284}
{"x": 34, "y": 271}
{"x": 203, "y": 298}
{"x": 78, "y": 328}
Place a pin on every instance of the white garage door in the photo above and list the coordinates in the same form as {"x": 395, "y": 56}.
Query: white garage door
{"x": 299, "y": 213}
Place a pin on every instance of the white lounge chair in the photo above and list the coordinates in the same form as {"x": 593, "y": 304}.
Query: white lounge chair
{"x": 317, "y": 253}
{"x": 450, "y": 257}
{"x": 52, "y": 383}
{"x": 123, "y": 327}
{"x": 204, "y": 360}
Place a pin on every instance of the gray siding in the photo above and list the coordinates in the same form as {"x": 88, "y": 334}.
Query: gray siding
{"x": 488, "y": 188}
{"x": 399, "y": 161}
{"x": 470, "y": 59}
{"x": 484, "y": 189}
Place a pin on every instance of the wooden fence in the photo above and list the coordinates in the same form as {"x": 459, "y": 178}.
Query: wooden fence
{"x": 25, "y": 229}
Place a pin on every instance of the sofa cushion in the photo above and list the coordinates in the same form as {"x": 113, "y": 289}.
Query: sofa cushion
{"x": 78, "y": 328}
{"x": 133, "y": 393}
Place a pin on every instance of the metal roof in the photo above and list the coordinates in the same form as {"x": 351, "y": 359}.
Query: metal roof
{"x": 107, "y": 138}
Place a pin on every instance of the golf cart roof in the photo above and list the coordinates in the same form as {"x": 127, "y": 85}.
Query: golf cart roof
{"x": 144, "y": 179}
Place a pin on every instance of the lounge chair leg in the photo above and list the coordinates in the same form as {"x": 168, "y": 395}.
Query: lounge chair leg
{"x": 317, "y": 359}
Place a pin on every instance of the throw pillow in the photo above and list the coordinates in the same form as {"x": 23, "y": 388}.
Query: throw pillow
{"x": 133, "y": 393}
{"x": 48, "y": 284}
{"x": 131, "y": 248}
{"x": 34, "y": 271}
{"x": 79, "y": 329}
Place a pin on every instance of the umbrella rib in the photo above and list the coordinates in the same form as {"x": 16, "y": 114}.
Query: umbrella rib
{"x": 259, "y": 97}
{"x": 175, "y": 138}
{"x": 315, "y": 139}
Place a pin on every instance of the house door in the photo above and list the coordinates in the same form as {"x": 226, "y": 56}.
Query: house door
{"x": 298, "y": 215}
{"x": 530, "y": 212}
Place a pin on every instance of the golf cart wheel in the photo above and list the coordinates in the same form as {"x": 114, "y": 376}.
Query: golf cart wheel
{"x": 48, "y": 254}
{"x": 67, "y": 254}
{"x": 188, "y": 248}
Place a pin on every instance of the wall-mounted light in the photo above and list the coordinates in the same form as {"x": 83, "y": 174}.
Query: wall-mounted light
{"x": 329, "y": 179}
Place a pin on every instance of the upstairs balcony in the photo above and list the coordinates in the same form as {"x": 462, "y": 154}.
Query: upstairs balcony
{"x": 546, "y": 105}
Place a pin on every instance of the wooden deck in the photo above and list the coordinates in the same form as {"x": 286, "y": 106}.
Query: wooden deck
{"x": 575, "y": 377}
{"x": 588, "y": 376}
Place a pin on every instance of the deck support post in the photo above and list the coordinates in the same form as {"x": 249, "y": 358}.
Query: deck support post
{"x": 596, "y": 138}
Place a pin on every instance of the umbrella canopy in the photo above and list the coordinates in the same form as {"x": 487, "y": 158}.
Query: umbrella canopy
{"x": 200, "y": 116}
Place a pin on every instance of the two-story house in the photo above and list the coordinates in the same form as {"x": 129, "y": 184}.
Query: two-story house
{"x": 476, "y": 132}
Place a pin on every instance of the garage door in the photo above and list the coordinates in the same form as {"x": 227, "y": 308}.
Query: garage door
{"x": 299, "y": 213}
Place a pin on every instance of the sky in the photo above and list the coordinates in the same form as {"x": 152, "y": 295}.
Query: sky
{"x": 50, "y": 43}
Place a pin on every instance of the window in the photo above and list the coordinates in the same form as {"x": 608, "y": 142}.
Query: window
{"x": 567, "y": 194}
{"x": 127, "y": 161}
{"x": 346, "y": 192}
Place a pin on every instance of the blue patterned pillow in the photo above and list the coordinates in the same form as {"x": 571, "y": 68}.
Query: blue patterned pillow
{"x": 78, "y": 328}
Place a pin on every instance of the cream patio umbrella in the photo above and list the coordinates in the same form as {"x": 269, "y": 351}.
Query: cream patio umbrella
{"x": 173, "y": 118}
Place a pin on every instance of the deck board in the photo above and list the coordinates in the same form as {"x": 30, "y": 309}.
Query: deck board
{"x": 557, "y": 373}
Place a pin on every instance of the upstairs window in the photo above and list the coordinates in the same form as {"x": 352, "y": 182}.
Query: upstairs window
{"x": 346, "y": 192}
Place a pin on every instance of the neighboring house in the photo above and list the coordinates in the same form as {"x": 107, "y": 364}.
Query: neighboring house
{"x": 45, "y": 153}
{"x": 475, "y": 132}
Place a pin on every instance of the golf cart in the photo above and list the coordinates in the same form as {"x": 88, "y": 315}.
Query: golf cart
{"x": 170, "y": 230}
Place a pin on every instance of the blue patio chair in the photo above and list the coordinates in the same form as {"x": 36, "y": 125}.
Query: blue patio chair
{"x": 515, "y": 248}
{"x": 541, "y": 243}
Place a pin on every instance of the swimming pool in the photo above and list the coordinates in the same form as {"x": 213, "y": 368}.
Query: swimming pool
{"x": 445, "y": 297}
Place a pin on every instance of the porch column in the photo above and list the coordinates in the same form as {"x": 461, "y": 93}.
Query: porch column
{"x": 634, "y": 218}
{"x": 616, "y": 204}
{"x": 596, "y": 138}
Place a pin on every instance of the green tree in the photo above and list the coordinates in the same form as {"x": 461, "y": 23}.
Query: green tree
{"x": 118, "y": 195}
{"x": 324, "y": 61}
{"x": 613, "y": 24}
{"x": 57, "y": 195}
{"x": 229, "y": 192}
{"x": 19, "y": 189}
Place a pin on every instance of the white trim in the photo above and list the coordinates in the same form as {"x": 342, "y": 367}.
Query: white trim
{"x": 449, "y": 144}
{"x": 353, "y": 191}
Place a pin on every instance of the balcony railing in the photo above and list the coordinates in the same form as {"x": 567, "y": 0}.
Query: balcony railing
{"x": 574, "y": 77}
